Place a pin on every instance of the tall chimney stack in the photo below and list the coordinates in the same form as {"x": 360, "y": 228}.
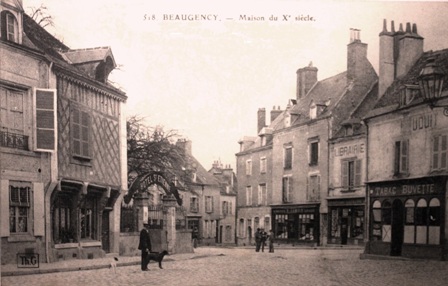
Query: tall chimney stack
{"x": 306, "y": 78}
{"x": 356, "y": 55}
{"x": 261, "y": 119}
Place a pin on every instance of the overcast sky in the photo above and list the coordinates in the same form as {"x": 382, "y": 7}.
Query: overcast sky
{"x": 208, "y": 78}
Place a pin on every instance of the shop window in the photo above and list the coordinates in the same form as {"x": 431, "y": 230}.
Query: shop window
{"x": 386, "y": 220}
{"x": 409, "y": 228}
{"x": 281, "y": 227}
{"x": 286, "y": 189}
{"x": 287, "y": 157}
{"x": 19, "y": 207}
{"x": 351, "y": 174}
{"x": 439, "y": 153}
{"x": 306, "y": 226}
{"x": 88, "y": 221}
{"x": 401, "y": 160}
{"x": 376, "y": 220}
{"x": 434, "y": 218}
{"x": 421, "y": 221}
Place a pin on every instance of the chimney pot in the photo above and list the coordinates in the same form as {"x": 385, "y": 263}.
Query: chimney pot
{"x": 401, "y": 28}
{"x": 392, "y": 26}
{"x": 414, "y": 28}
{"x": 385, "y": 26}
{"x": 408, "y": 27}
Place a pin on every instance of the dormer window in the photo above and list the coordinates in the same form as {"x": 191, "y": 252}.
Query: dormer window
{"x": 348, "y": 130}
{"x": 9, "y": 27}
{"x": 313, "y": 111}
{"x": 407, "y": 93}
{"x": 287, "y": 119}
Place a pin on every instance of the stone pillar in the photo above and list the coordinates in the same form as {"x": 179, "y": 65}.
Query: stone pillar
{"x": 141, "y": 201}
{"x": 169, "y": 203}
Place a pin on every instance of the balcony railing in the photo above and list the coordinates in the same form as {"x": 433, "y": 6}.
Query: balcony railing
{"x": 13, "y": 140}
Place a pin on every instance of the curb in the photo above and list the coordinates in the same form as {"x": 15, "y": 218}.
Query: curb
{"x": 81, "y": 268}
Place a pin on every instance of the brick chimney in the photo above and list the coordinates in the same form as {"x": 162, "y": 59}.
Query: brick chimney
{"x": 306, "y": 78}
{"x": 356, "y": 55}
{"x": 185, "y": 145}
{"x": 275, "y": 113}
{"x": 261, "y": 122}
{"x": 399, "y": 50}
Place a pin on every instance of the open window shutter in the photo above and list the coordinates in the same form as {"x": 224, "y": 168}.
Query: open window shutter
{"x": 404, "y": 156}
{"x": 443, "y": 152}
{"x": 318, "y": 188}
{"x": 290, "y": 185}
{"x": 212, "y": 204}
{"x": 85, "y": 123}
{"x": 358, "y": 173}
{"x": 284, "y": 187}
{"x": 344, "y": 174}
{"x": 45, "y": 119}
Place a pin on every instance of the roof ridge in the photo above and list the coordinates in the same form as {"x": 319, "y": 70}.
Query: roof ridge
{"x": 87, "y": 49}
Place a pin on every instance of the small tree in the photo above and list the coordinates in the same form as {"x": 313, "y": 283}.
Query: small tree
{"x": 154, "y": 149}
{"x": 41, "y": 16}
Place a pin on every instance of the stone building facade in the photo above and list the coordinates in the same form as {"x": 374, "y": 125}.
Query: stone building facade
{"x": 63, "y": 160}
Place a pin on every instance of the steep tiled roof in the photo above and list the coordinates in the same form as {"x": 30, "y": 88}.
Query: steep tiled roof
{"x": 36, "y": 37}
{"x": 88, "y": 55}
{"x": 390, "y": 100}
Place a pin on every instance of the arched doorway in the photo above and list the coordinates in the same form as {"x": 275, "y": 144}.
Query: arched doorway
{"x": 397, "y": 228}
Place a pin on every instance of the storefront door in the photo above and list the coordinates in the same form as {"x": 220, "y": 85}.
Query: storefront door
{"x": 344, "y": 230}
{"x": 397, "y": 227}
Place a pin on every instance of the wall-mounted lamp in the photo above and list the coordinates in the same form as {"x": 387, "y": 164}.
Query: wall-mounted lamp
{"x": 430, "y": 81}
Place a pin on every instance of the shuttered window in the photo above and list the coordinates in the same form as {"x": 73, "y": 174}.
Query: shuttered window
{"x": 80, "y": 133}
{"x": 439, "y": 152}
{"x": 45, "y": 123}
{"x": 351, "y": 174}
{"x": 287, "y": 189}
{"x": 401, "y": 157}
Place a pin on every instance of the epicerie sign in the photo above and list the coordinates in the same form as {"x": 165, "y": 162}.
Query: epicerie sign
{"x": 27, "y": 260}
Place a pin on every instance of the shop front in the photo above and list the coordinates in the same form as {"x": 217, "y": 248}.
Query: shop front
{"x": 407, "y": 218}
{"x": 296, "y": 223}
{"x": 346, "y": 221}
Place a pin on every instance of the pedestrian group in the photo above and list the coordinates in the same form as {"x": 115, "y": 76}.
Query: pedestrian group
{"x": 260, "y": 240}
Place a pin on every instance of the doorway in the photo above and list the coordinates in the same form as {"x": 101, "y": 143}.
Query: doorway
{"x": 105, "y": 231}
{"x": 397, "y": 228}
{"x": 344, "y": 230}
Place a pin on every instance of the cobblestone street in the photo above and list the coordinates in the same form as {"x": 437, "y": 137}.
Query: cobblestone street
{"x": 227, "y": 266}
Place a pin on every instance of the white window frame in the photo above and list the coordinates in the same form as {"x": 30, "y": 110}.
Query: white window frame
{"x": 249, "y": 167}
{"x": 263, "y": 165}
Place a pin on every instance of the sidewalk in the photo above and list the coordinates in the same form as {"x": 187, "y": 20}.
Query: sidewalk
{"x": 90, "y": 264}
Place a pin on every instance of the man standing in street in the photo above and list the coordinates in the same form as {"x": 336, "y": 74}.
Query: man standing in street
{"x": 145, "y": 246}
{"x": 257, "y": 240}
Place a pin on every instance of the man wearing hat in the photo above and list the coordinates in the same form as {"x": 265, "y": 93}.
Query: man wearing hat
{"x": 145, "y": 246}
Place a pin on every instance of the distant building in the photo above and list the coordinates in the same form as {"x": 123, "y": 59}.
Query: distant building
{"x": 296, "y": 146}
{"x": 228, "y": 191}
{"x": 62, "y": 145}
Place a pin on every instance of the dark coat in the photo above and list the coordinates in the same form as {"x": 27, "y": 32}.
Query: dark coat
{"x": 145, "y": 241}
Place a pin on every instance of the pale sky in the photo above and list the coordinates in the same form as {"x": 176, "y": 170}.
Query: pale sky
{"x": 207, "y": 79}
